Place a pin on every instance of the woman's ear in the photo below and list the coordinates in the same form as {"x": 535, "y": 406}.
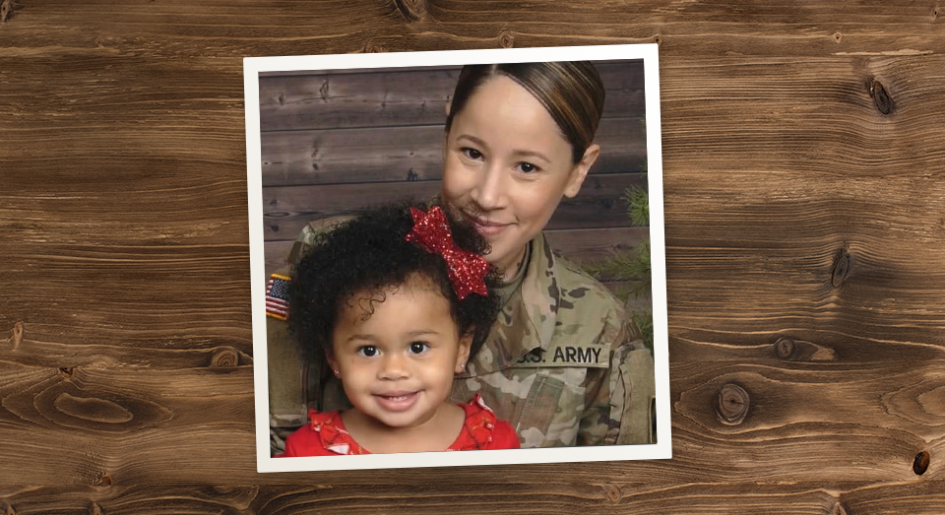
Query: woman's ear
{"x": 579, "y": 172}
{"x": 465, "y": 344}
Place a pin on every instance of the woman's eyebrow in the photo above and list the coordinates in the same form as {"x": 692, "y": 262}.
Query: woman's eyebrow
{"x": 473, "y": 139}
{"x": 532, "y": 153}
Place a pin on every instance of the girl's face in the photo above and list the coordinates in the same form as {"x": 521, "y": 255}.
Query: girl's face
{"x": 397, "y": 366}
{"x": 507, "y": 166}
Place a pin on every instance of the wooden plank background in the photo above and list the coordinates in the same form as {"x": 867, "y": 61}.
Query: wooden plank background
{"x": 334, "y": 142}
{"x": 804, "y": 173}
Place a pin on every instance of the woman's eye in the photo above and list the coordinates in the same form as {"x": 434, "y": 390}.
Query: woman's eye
{"x": 528, "y": 167}
{"x": 368, "y": 351}
{"x": 471, "y": 153}
{"x": 418, "y": 347}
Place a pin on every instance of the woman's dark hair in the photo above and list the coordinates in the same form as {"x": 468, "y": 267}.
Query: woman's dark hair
{"x": 572, "y": 93}
{"x": 368, "y": 255}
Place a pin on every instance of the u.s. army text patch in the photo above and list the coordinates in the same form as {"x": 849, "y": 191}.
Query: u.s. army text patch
{"x": 566, "y": 355}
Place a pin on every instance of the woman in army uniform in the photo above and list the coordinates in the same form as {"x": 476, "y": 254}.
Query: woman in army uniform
{"x": 559, "y": 364}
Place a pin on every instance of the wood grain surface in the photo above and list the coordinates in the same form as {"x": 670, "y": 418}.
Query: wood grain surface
{"x": 804, "y": 177}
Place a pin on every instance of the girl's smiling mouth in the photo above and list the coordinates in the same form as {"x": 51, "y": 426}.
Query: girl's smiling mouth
{"x": 397, "y": 401}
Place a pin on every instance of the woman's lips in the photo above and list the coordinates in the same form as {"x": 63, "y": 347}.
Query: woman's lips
{"x": 487, "y": 228}
{"x": 397, "y": 401}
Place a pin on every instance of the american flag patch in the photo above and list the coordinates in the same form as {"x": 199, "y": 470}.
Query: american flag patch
{"x": 277, "y": 296}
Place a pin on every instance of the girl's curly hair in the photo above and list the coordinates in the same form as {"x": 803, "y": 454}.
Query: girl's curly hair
{"x": 370, "y": 254}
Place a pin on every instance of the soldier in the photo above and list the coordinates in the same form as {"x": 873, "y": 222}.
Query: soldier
{"x": 559, "y": 364}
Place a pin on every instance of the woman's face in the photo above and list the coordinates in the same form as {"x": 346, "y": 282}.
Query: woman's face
{"x": 507, "y": 166}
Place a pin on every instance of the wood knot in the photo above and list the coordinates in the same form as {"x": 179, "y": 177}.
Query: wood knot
{"x": 105, "y": 480}
{"x": 227, "y": 357}
{"x": 92, "y": 409}
{"x": 323, "y": 93}
{"x": 613, "y": 492}
{"x": 921, "y": 463}
{"x": 507, "y": 39}
{"x": 374, "y": 48}
{"x": 934, "y": 13}
{"x": 784, "y": 347}
{"x": 838, "y": 509}
{"x": 9, "y": 510}
{"x": 837, "y": 36}
{"x": 17, "y": 337}
{"x": 658, "y": 39}
{"x": 6, "y": 10}
{"x": 67, "y": 404}
{"x": 95, "y": 509}
{"x": 732, "y": 404}
{"x": 413, "y": 10}
{"x": 67, "y": 371}
{"x": 881, "y": 97}
{"x": 841, "y": 269}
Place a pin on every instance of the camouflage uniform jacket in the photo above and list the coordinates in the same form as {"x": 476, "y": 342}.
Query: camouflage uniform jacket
{"x": 558, "y": 364}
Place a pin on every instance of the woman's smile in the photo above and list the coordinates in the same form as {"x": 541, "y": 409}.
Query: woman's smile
{"x": 485, "y": 227}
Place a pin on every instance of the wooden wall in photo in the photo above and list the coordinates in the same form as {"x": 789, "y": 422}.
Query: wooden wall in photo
{"x": 804, "y": 175}
{"x": 334, "y": 142}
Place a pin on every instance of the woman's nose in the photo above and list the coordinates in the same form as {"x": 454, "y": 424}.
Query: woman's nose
{"x": 489, "y": 191}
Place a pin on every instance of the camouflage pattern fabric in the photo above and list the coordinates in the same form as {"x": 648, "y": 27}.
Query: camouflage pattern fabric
{"x": 293, "y": 385}
{"x": 558, "y": 365}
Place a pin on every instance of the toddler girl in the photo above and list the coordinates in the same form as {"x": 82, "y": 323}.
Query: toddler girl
{"x": 396, "y": 301}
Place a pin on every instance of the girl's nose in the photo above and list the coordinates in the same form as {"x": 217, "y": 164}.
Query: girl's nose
{"x": 393, "y": 366}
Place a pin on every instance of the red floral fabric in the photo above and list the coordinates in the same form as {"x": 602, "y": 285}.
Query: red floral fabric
{"x": 325, "y": 434}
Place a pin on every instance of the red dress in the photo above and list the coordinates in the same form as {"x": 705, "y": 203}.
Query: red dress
{"x": 326, "y": 435}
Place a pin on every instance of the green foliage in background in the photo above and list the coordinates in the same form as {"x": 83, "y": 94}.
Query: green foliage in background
{"x": 633, "y": 266}
{"x": 638, "y": 208}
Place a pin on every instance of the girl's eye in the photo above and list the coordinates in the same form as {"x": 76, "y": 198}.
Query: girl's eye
{"x": 368, "y": 351}
{"x": 528, "y": 167}
{"x": 471, "y": 153}
{"x": 418, "y": 347}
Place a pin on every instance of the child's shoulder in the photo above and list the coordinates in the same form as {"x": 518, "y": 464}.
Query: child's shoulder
{"x": 483, "y": 430}
{"x": 310, "y": 439}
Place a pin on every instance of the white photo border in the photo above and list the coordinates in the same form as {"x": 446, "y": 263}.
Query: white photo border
{"x": 253, "y": 66}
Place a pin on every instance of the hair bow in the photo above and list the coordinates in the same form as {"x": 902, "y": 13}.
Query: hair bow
{"x": 431, "y": 232}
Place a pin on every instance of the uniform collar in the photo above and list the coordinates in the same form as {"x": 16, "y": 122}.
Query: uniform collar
{"x": 527, "y": 321}
{"x": 540, "y": 291}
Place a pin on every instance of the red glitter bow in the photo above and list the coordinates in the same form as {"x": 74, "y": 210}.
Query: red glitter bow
{"x": 431, "y": 232}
